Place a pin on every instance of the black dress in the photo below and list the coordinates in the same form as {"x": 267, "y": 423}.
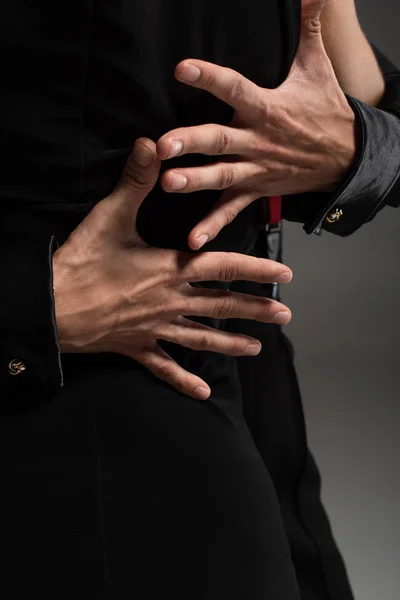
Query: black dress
{"x": 114, "y": 485}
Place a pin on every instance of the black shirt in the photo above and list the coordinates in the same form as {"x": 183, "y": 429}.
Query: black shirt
{"x": 81, "y": 81}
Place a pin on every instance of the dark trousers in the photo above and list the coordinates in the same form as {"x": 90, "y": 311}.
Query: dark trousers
{"x": 274, "y": 413}
{"x": 121, "y": 487}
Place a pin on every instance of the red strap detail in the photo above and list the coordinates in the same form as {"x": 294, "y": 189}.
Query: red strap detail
{"x": 275, "y": 209}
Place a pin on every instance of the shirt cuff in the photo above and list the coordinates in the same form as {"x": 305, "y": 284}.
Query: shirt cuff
{"x": 363, "y": 193}
{"x": 30, "y": 361}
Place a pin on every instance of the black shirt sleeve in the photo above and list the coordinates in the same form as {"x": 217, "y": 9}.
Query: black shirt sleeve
{"x": 374, "y": 180}
{"x": 30, "y": 365}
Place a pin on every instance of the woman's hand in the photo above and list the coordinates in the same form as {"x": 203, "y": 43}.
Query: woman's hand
{"x": 299, "y": 137}
{"x": 113, "y": 293}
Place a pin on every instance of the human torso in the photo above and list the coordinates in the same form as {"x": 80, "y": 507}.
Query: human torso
{"x": 82, "y": 80}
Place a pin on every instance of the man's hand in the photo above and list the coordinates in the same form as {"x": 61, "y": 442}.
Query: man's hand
{"x": 299, "y": 137}
{"x": 113, "y": 293}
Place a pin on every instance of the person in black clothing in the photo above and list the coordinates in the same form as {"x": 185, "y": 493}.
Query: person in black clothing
{"x": 117, "y": 480}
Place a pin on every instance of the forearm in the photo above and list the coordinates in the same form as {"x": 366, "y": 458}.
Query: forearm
{"x": 351, "y": 54}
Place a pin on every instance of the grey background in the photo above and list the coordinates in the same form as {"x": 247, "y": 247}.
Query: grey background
{"x": 345, "y": 299}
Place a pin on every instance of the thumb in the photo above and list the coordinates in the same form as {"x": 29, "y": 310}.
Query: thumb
{"x": 311, "y": 54}
{"x": 139, "y": 177}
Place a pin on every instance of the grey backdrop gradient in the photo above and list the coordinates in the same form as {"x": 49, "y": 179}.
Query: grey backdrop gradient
{"x": 345, "y": 300}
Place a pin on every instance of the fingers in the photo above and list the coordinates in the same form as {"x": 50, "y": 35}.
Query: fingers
{"x": 224, "y": 83}
{"x": 224, "y": 212}
{"x": 217, "y": 176}
{"x": 228, "y": 266}
{"x": 210, "y": 139}
{"x": 223, "y": 304}
{"x": 165, "y": 368}
{"x": 197, "y": 336}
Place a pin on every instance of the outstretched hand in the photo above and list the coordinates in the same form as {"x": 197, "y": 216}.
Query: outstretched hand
{"x": 299, "y": 137}
{"x": 114, "y": 293}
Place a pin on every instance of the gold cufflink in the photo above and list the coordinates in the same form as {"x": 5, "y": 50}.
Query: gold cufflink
{"x": 334, "y": 216}
{"x": 15, "y": 367}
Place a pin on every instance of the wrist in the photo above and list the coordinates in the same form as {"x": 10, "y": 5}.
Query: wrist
{"x": 348, "y": 146}
{"x": 59, "y": 276}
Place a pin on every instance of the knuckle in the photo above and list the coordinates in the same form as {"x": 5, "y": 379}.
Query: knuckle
{"x": 134, "y": 178}
{"x": 174, "y": 301}
{"x": 229, "y": 271}
{"x": 166, "y": 371}
{"x": 202, "y": 342}
{"x": 158, "y": 331}
{"x": 222, "y": 141}
{"x": 226, "y": 177}
{"x": 315, "y": 24}
{"x": 224, "y": 307}
{"x": 230, "y": 214}
{"x": 260, "y": 146}
{"x": 157, "y": 311}
{"x": 236, "y": 91}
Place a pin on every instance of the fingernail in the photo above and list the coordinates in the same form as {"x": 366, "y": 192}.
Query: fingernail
{"x": 176, "y": 147}
{"x": 281, "y": 318}
{"x": 202, "y": 239}
{"x": 202, "y": 393}
{"x": 253, "y": 349}
{"x": 143, "y": 157}
{"x": 284, "y": 278}
{"x": 190, "y": 73}
{"x": 178, "y": 182}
